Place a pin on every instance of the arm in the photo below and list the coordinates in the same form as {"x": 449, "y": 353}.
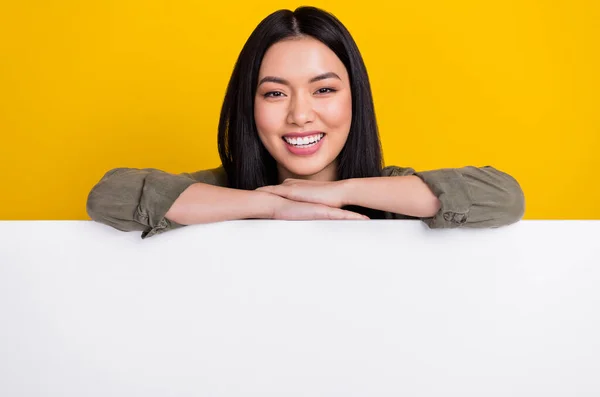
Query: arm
{"x": 444, "y": 198}
{"x": 154, "y": 201}
{"x": 407, "y": 195}
{"x": 203, "y": 203}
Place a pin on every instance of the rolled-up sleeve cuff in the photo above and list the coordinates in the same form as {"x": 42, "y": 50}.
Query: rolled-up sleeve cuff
{"x": 451, "y": 188}
{"x": 158, "y": 195}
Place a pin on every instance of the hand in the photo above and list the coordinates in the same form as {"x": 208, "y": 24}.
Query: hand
{"x": 285, "y": 209}
{"x": 331, "y": 194}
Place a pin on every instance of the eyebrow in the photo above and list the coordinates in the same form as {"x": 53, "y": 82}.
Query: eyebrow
{"x": 279, "y": 80}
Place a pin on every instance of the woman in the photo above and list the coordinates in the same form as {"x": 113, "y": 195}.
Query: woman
{"x": 298, "y": 140}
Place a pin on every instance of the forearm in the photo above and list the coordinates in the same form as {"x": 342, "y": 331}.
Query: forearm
{"x": 203, "y": 203}
{"x": 407, "y": 195}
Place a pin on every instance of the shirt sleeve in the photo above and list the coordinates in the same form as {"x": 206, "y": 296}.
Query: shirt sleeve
{"x": 130, "y": 199}
{"x": 476, "y": 197}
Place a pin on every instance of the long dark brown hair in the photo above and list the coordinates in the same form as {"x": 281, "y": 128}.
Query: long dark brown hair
{"x": 246, "y": 161}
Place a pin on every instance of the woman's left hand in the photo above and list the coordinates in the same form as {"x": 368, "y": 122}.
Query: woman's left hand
{"x": 332, "y": 194}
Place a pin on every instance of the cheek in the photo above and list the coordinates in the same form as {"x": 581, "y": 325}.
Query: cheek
{"x": 338, "y": 113}
{"x": 267, "y": 119}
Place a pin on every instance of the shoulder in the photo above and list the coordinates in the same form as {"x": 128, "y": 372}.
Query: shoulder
{"x": 393, "y": 170}
{"x": 213, "y": 176}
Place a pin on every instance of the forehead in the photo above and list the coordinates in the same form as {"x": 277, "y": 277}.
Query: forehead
{"x": 300, "y": 58}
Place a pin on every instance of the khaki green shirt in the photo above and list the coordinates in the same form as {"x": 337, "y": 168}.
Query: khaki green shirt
{"x": 137, "y": 199}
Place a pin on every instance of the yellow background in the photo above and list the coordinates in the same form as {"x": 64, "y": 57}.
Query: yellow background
{"x": 86, "y": 86}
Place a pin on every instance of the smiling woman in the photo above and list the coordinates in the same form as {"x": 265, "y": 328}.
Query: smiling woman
{"x": 298, "y": 140}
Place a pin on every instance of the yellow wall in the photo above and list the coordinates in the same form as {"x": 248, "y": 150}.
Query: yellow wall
{"x": 87, "y": 86}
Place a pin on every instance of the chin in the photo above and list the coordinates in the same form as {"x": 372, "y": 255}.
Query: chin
{"x": 309, "y": 168}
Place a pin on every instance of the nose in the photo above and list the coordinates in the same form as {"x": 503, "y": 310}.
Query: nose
{"x": 301, "y": 110}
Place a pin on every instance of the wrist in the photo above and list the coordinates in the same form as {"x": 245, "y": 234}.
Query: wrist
{"x": 263, "y": 205}
{"x": 347, "y": 191}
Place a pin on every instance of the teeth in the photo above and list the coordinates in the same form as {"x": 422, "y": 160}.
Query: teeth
{"x": 305, "y": 140}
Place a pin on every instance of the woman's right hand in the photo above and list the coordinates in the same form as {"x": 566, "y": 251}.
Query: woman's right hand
{"x": 285, "y": 209}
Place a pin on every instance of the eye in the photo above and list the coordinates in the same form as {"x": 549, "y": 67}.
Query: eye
{"x": 325, "y": 90}
{"x": 271, "y": 94}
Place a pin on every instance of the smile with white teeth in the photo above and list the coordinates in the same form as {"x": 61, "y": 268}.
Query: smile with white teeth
{"x": 306, "y": 141}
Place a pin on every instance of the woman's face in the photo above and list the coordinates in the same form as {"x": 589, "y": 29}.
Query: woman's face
{"x": 303, "y": 108}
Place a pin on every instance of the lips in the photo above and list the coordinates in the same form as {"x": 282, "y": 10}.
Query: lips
{"x": 302, "y": 134}
{"x": 305, "y": 149}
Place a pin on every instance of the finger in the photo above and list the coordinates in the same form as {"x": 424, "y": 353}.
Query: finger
{"x": 343, "y": 214}
{"x": 358, "y": 216}
{"x": 361, "y": 217}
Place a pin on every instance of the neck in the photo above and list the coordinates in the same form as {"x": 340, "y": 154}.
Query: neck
{"x": 327, "y": 174}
